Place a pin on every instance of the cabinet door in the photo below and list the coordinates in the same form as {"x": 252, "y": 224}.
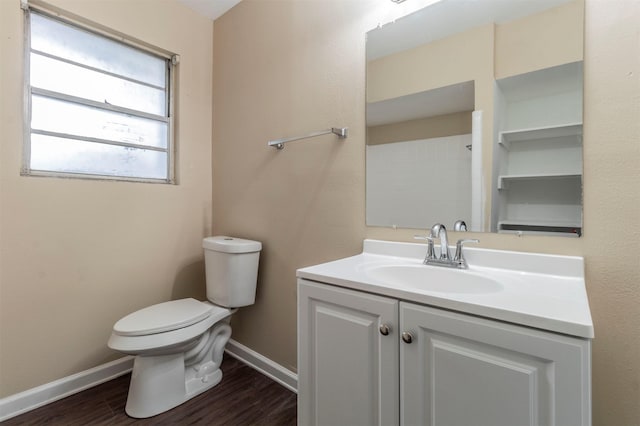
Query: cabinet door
{"x": 347, "y": 370}
{"x": 462, "y": 370}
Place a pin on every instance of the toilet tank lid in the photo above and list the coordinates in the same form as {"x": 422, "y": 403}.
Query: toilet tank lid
{"x": 225, "y": 244}
{"x": 163, "y": 317}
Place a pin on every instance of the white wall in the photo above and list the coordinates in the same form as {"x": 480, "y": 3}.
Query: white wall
{"x": 400, "y": 174}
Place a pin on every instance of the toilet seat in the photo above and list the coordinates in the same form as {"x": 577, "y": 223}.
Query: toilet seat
{"x": 163, "y": 317}
{"x": 180, "y": 328}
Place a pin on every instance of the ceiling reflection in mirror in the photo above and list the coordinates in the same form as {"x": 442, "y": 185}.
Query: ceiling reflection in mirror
{"x": 474, "y": 113}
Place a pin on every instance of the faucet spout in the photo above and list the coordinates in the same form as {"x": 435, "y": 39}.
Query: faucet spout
{"x": 439, "y": 231}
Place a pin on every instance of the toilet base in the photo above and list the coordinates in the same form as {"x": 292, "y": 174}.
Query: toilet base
{"x": 160, "y": 383}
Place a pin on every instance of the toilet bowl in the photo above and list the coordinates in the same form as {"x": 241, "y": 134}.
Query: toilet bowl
{"x": 178, "y": 345}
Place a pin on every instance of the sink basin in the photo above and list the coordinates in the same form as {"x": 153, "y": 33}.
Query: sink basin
{"x": 536, "y": 290}
{"x": 433, "y": 279}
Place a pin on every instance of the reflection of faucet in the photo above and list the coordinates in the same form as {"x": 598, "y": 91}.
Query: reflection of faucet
{"x": 439, "y": 231}
{"x": 460, "y": 225}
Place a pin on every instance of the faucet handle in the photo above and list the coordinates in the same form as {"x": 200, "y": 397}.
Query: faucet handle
{"x": 458, "y": 256}
{"x": 431, "y": 254}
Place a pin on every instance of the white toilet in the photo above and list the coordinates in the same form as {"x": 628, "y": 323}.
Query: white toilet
{"x": 179, "y": 344}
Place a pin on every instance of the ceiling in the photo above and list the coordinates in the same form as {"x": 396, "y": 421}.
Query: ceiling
{"x": 210, "y": 8}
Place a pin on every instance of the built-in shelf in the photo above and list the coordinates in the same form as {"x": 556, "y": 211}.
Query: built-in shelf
{"x": 541, "y": 227}
{"x": 541, "y": 222}
{"x": 538, "y": 141}
{"x": 503, "y": 180}
{"x": 538, "y": 133}
{"x": 541, "y": 230}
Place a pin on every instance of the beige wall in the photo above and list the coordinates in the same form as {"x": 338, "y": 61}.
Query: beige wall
{"x": 289, "y": 67}
{"x": 76, "y": 255}
{"x": 282, "y": 69}
{"x": 540, "y": 41}
{"x": 457, "y": 123}
{"x": 463, "y": 57}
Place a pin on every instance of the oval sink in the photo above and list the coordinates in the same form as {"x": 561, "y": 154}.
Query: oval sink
{"x": 434, "y": 278}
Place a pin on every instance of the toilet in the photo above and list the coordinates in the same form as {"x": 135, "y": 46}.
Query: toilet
{"x": 178, "y": 345}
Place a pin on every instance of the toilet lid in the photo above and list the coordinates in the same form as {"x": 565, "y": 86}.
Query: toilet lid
{"x": 163, "y": 317}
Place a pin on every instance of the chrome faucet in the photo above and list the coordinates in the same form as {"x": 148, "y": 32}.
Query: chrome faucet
{"x": 439, "y": 231}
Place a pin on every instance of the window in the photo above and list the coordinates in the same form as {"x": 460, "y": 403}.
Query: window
{"x": 97, "y": 107}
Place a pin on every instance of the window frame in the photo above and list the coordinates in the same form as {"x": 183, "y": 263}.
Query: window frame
{"x": 171, "y": 60}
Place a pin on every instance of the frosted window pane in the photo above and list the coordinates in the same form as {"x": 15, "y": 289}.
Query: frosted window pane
{"x": 79, "y": 120}
{"x": 83, "y": 47}
{"x": 71, "y": 156}
{"x": 50, "y": 74}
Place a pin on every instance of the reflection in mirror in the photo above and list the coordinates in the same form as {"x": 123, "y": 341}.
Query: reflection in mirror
{"x": 404, "y": 134}
{"x": 474, "y": 112}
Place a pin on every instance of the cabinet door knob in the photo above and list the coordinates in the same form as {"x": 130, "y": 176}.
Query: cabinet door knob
{"x": 407, "y": 337}
{"x": 385, "y": 329}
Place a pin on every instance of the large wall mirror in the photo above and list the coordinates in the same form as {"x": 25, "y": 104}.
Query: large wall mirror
{"x": 474, "y": 113}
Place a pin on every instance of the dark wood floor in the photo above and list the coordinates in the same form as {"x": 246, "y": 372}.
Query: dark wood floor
{"x": 244, "y": 397}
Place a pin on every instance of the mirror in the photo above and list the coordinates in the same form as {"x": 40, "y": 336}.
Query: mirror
{"x": 474, "y": 113}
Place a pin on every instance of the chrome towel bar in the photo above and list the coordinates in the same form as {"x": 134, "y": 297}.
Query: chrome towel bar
{"x": 341, "y": 132}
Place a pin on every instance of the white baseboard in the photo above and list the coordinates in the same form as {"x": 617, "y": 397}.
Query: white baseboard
{"x": 31, "y": 399}
{"x": 264, "y": 365}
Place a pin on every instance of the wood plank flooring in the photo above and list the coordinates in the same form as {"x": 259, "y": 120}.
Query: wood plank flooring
{"x": 243, "y": 397}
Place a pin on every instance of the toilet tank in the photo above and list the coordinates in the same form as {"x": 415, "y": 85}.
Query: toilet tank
{"x": 231, "y": 267}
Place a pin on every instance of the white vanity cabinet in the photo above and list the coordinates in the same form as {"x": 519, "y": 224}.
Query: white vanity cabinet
{"x": 347, "y": 370}
{"x": 463, "y": 370}
{"x": 365, "y": 359}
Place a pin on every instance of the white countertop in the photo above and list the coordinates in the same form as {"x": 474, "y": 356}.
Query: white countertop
{"x": 542, "y": 291}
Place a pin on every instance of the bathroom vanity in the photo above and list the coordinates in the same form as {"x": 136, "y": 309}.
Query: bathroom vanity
{"x": 386, "y": 340}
